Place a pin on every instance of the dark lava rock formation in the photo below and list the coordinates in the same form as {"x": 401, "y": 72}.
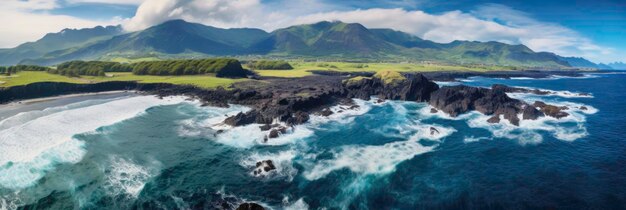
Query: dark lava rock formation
{"x": 292, "y": 100}
{"x": 264, "y": 167}
{"x": 250, "y": 206}
{"x": 551, "y": 110}
{"x": 455, "y": 100}
{"x": 414, "y": 88}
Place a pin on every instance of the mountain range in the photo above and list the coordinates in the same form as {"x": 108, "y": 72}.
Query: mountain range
{"x": 322, "y": 40}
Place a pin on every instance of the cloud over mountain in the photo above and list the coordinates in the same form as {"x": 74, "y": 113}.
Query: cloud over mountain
{"x": 488, "y": 22}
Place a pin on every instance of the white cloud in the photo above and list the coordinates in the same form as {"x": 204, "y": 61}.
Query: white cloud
{"x": 490, "y": 22}
{"x": 221, "y": 13}
{"x": 122, "y": 2}
{"x": 28, "y": 4}
{"x": 24, "y": 21}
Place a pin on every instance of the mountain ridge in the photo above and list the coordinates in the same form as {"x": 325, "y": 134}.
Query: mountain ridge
{"x": 333, "y": 40}
{"x": 64, "y": 39}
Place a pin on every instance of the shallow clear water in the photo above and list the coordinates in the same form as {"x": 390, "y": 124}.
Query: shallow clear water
{"x": 149, "y": 153}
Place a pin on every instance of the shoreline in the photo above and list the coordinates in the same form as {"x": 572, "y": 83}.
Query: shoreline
{"x": 26, "y": 105}
{"x": 50, "y": 98}
{"x": 31, "y": 94}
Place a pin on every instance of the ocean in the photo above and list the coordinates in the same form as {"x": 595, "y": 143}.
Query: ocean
{"x": 128, "y": 151}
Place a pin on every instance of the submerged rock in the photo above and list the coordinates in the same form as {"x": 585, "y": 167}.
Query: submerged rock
{"x": 250, "y": 206}
{"x": 265, "y": 127}
{"x": 326, "y": 112}
{"x": 276, "y": 132}
{"x": 264, "y": 167}
{"x": 433, "y": 131}
{"x": 494, "y": 119}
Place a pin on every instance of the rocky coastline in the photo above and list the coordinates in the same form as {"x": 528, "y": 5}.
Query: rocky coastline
{"x": 291, "y": 101}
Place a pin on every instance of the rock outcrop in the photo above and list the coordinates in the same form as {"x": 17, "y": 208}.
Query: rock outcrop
{"x": 250, "y": 206}
{"x": 410, "y": 87}
{"x": 551, "y": 110}
{"x": 264, "y": 167}
{"x": 455, "y": 100}
{"x": 531, "y": 113}
{"x": 292, "y": 100}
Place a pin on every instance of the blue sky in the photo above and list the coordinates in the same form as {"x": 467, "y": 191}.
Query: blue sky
{"x": 592, "y": 29}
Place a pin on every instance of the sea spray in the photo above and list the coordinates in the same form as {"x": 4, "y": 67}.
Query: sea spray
{"x": 125, "y": 177}
{"x": 38, "y": 145}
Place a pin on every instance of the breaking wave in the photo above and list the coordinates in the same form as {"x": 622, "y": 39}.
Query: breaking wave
{"x": 126, "y": 178}
{"x": 282, "y": 160}
{"x": 376, "y": 159}
{"x": 34, "y": 147}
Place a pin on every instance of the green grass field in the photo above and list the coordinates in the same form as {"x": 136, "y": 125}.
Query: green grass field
{"x": 208, "y": 81}
{"x": 301, "y": 68}
{"x": 27, "y": 77}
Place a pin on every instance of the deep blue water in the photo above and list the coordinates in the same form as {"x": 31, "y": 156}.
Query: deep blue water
{"x": 382, "y": 156}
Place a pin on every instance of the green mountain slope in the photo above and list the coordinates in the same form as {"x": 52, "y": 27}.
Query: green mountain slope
{"x": 325, "y": 39}
{"x": 67, "y": 38}
{"x": 583, "y": 63}
{"x": 334, "y": 40}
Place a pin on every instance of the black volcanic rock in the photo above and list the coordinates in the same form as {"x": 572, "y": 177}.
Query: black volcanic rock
{"x": 531, "y": 113}
{"x": 455, "y": 100}
{"x": 242, "y": 118}
{"x": 508, "y": 89}
{"x": 250, "y": 206}
{"x": 414, "y": 88}
{"x": 276, "y": 132}
{"x": 551, "y": 110}
{"x": 264, "y": 166}
{"x": 326, "y": 112}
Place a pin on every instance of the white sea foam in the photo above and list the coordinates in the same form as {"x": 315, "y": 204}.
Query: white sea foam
{"x": 343, "y": 114}
{"x": 127, "y": 178}
{"x": 282, "y": 160}
{"x": 250, "y": 135}
{"x": 46, "y": 141}
{"x": 567, "y": 128}
{"x": 528, "y": 130}
{"x": 17, "y": 175}
{"x": 212, "y": 118}
{"x": 425, "y": 113}
{"x": 470, "y": 139}
{"x": 442, "y": 83}
{"x": 298, "y": 205}
{"x": 239, "y": 136}
{"x": 375, "y": 159}
{"x": 556, "y": 77}
{"x": 11, "y": 201}
{"x": 559, "y": 93}
{"x": 584, "y": 76}
{"x": 25, "y": 117}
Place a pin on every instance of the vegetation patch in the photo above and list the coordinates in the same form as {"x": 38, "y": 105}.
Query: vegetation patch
{"x": 14, "y": 69}
{"x": 355, "y": 80}
{"x": 270, "y": 65}
{"x": 221, "y": 67}
{"x": 90, "y": 68}
{"x": 29, "y": 77}
{"x": 390, "y": 77}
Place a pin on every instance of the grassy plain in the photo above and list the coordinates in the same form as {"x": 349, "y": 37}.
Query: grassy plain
{"x": 301, "y": 68}
{"x": 27, "y": 77}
